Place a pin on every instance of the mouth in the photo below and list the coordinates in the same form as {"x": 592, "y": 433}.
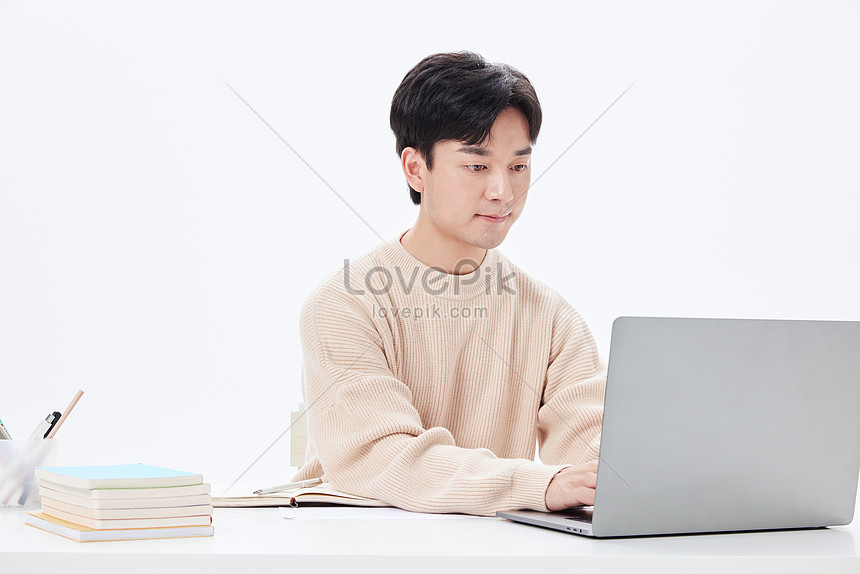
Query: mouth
{"x": 493, "y": 218}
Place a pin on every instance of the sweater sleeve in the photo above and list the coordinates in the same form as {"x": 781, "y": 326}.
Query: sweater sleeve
{"x": 571, "y": 412}
{"x": 367, "y": 436}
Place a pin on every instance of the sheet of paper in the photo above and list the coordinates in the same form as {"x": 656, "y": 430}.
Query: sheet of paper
{"x": 362, "y": 513}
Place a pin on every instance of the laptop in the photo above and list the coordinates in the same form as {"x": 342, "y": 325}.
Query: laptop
{"x": 722, "y": 425}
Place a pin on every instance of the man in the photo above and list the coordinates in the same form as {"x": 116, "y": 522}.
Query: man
{"x": 432, "y": 364}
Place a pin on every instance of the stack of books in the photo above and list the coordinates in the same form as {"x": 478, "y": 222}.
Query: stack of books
{"x": 122, "y": 502}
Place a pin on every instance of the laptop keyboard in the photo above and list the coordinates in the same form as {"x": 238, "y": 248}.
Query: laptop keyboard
{"x": 580, "y": 514}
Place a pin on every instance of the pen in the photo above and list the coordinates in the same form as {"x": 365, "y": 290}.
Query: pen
{"x": 3, "y": 432}
{"x": 45, "y": 426}
{"x": 63, "y": 418}
{"x": 57, "y": 415}
{"x": 290, "y": 486}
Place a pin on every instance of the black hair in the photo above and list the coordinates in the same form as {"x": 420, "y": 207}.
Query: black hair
{"x": 457, "y": 96}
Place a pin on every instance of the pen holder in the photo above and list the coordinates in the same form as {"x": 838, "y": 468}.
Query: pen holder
{"x": 18, "y": 462}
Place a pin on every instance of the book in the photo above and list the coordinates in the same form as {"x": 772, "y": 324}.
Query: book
{"x": 83, "y": 534}
{"x": 323, "y": 493}
{"x": 116, "y": 476}
{"x": 126, "y": 513}
{"x": 130, "y": 502}
{"x": 120, "y": 493}
{"x": 115, "y": 523}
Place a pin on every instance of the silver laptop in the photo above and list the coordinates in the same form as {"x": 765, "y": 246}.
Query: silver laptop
{"x": 719, "y": 425}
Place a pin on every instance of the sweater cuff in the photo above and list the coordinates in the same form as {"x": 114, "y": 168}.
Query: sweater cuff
{"x": 529, "y": 483}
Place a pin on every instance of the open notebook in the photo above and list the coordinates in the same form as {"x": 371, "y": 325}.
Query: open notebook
{"x": 320, "y": 494}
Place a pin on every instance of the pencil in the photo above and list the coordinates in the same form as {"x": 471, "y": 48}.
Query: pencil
{"x": 65, "y": 414}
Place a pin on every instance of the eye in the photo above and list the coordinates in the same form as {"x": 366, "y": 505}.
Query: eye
{"x": 476, "y": 168}
{"x": 520, "y": 167}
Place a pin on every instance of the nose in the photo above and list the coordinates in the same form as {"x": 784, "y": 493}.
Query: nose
{"x": 499, "y": 188}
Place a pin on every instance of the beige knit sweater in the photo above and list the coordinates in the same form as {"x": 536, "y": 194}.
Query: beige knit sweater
{"x": 429, "y": 391}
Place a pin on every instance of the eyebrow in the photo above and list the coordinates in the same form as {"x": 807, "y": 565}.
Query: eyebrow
{"x": 475, "y": 150}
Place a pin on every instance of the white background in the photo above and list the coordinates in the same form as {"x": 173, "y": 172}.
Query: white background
{"x": 157, "y": 239}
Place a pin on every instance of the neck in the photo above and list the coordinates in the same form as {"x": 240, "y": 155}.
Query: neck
{"x": 442, "y": 252}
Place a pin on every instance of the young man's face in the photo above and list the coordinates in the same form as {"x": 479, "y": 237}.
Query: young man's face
{"x": 474, "y": 194}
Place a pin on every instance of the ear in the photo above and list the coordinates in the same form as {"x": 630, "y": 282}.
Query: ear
{"x": 413, "y": 167}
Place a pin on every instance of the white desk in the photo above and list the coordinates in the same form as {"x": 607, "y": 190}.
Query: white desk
{"x": 259, "y": 540}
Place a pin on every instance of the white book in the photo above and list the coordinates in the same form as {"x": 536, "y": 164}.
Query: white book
{"x": 117, "y": 493}
{"x": 83, "y": 534}
{"x": 127, "y": 513}
{"x": 112, "y": 524}
{"x": 132, "y": 502}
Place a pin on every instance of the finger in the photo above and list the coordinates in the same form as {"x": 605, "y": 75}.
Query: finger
{"x": 586, "y": 496}
{"x": 590, "y": 480}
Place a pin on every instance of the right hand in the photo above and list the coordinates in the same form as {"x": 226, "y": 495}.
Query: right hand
{"x": 573, "y": 486}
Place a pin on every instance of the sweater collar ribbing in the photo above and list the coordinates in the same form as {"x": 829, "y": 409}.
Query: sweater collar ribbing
{"x": 435, "y": 282}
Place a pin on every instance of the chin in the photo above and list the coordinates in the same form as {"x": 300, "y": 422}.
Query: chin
{"x": 491, "y": 239}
